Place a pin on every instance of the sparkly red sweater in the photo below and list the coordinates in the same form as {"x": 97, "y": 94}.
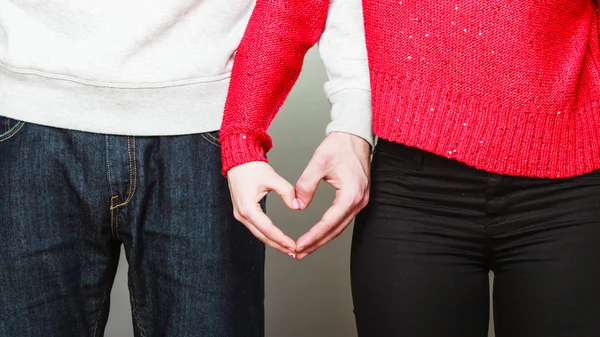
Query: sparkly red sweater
{"x": 509, "y": 87}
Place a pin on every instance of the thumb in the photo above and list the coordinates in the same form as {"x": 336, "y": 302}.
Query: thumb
{"x": 307, "y": 185}
{"x": 285, "y": 190}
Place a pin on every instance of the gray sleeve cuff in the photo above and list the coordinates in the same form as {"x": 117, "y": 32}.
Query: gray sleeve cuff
{"x": 351, "y": 113}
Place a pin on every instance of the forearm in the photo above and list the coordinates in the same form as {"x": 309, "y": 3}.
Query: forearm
{"x": 267, "y": 65}
{"x": 344, "y": 53}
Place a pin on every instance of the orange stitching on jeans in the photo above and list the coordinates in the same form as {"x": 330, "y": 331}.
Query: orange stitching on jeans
{"x": 113, "y": 197}
{"x": 108, "y": 169}
{"x": 100, "y": 312}
{"x": 13, "y": 133}
{"x": 210, "y": 141}
{"x": 132, "y": 177}
{"x": 112, "y": 221}
{"x": 137, "y": 317}
{"x": 116, "y": 223}
{"x": 130, "y": 168}
{"x": 209, "y": 134}
{"x": 129, "y": 189}
{"x": 114, "y": 208}
{"x": 114, "y": 215}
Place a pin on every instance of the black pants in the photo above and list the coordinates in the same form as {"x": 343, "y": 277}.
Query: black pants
{"x": 433, "y": 230}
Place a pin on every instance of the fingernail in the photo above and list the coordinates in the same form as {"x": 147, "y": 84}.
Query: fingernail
{"x": 301, "y": 204}
{"x": 295, "y": 204}
{"x": 293, "y": 256}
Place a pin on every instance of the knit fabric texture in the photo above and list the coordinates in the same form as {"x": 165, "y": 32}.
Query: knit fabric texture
{"x": 507, "y": 87}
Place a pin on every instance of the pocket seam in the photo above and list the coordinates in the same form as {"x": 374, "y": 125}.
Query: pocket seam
{"x": 210, "y": 139}
{"x": 386, "y": 174}
{"x": 12, "y": 131}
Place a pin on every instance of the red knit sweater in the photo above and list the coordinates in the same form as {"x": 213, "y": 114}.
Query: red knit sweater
{"x": 509, "y": 87}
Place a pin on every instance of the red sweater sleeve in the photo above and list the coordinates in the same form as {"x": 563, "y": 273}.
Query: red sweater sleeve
{"x": 267, "y": 64}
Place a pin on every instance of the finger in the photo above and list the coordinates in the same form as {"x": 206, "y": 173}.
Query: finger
{"x": 258, "y": 219}
{"x": 335, "y": 232}
{"x": 309, "y": 181}
{"x": 328, "y": 238}
{"x": 285, "y": 190}
{"x": 268, "y": 241}
{"x": 342, "y": 207}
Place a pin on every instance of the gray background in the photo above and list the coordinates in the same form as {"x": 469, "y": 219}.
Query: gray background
{"x": 308, "y": 298}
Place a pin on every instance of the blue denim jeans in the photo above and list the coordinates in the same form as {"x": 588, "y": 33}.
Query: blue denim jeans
{"x": 70, "y": 200}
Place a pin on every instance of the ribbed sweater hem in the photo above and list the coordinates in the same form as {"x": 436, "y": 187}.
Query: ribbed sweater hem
{"x": 489, "y": 136}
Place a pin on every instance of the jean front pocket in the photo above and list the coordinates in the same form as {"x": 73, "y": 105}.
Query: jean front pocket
{"x": 9, "y": 128}
{"x": 391, "y": 159}
{"x": 211, "y": 137}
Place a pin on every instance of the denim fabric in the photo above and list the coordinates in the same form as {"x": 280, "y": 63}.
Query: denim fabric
{"x": 70, "y": 199}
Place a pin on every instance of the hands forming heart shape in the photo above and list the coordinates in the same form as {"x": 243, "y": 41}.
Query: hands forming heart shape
{"x": 342, "y": 160}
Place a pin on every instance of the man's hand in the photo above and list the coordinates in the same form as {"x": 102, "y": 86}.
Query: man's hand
{"x": 343, "y": 161}
{"x": 249, "y": 183}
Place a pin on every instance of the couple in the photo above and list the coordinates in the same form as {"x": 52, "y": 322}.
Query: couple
{"x": 488, "y": 158}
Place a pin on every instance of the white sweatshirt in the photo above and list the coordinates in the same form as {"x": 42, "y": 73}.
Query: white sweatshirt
{"x": 153, "y": 67}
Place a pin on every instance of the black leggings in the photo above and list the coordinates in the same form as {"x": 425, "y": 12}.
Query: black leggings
{"x": 433, "y": 230}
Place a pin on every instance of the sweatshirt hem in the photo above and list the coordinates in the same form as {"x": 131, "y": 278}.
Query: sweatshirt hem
{"x": 177, "y": 109}
{"x": 116, "y": 85}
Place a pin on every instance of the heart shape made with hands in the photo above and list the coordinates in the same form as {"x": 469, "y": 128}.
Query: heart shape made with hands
{"x": 342, "y": 161}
